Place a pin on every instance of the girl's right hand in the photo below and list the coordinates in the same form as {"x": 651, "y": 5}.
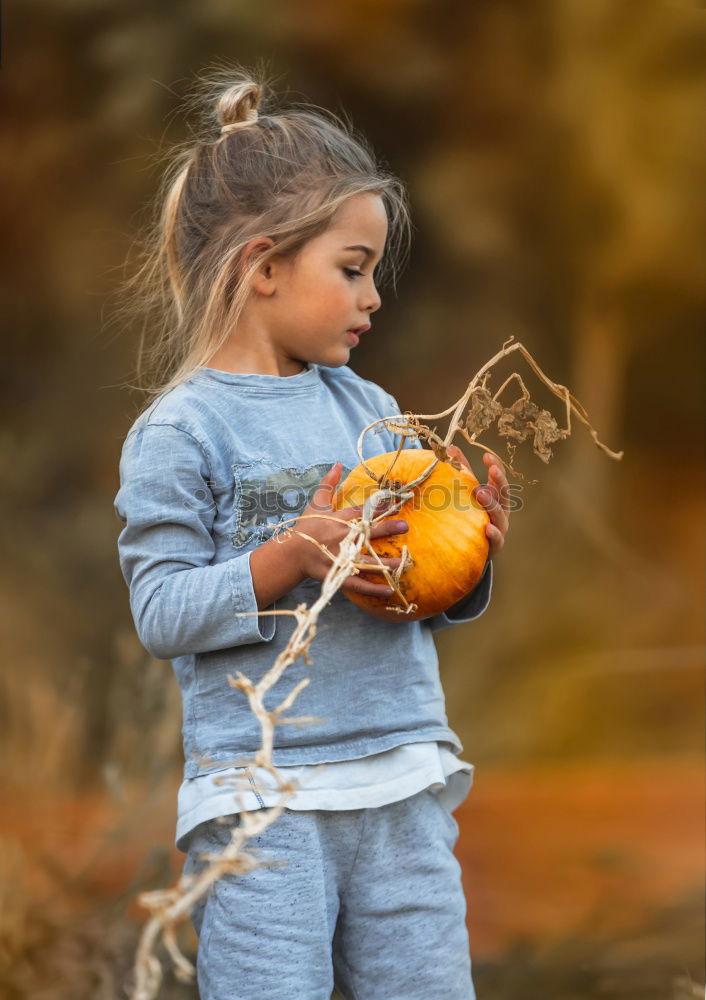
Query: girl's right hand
{"x": 314, "y": 563}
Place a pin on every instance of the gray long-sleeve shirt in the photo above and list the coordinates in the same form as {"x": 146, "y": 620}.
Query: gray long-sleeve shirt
{"x": 206, "y": 471}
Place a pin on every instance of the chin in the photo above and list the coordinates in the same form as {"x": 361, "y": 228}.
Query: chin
{"x": 331, "y": 362}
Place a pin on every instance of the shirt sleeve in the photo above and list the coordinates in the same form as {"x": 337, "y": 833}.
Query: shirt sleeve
{"x": 474, "y": 603}
{"x": 469, "y": 607}
{"x": 181, "y": 602}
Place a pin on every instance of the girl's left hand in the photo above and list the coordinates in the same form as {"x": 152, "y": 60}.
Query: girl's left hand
{"x": 493, "y": 496}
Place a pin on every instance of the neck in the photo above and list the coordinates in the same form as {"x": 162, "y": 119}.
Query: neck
{"x": 257, "y": 358}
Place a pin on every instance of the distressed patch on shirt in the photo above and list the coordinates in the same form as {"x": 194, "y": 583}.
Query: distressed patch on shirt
{"x": 266, "y": 497}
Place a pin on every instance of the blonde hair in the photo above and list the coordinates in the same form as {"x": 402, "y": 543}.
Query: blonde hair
{"x": 279, "y": 174}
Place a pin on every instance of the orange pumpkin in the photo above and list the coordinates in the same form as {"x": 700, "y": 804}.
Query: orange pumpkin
{"x": 446, "y": 536}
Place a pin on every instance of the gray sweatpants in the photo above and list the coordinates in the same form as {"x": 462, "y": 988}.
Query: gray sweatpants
{"x": 369, "y": 900}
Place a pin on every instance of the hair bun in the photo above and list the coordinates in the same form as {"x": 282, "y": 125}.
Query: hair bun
{"x": 237, "y": 107}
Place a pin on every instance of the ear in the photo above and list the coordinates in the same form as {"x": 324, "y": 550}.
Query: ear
{"x": 261, "y": 280}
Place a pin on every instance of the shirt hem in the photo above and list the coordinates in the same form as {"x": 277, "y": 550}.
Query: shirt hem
{"x": 332, "y": 754}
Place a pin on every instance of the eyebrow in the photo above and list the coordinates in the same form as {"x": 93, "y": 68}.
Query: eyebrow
{"x": 368, "y": 251}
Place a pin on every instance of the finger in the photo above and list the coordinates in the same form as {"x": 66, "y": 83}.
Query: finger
{"x": 393, "y": 526}
{"x": 456, "y": 452}
{"x": 358, "y": 586}
{"x": 383, "y": 506}
{"x": 372, "y": 565}
{"x": 499, "y": 520}
{"x": 488, "y": 498}
{"x": 350, "y": 513}
{"x": 491, "y": 459}
{"x": 495, "y": 466}
{"x": 494, "y": 507}
{"x": 497, "y": 479}
{"x": 496, "y": 539}
{"x": 498, "y": 482}
{"x": 333, "y": 474}
{"x": 323, "y": 494}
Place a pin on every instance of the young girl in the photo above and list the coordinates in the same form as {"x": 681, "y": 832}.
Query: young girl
{"x": 271, "y": 233}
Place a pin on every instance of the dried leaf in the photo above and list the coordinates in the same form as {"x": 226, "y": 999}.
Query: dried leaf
{"x": 442, "y": 454}
{"x": 483, "y": 412}
{"x": 517, "y": 421}
{"x": 546, "y": 430}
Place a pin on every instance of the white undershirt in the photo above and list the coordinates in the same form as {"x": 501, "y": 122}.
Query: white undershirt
{"x": 364, "y": 783}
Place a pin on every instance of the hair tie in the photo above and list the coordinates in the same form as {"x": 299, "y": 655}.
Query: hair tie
{"x": 252, "y": 117}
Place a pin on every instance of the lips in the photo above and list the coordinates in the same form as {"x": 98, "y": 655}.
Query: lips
{"x": 359, "y": 329}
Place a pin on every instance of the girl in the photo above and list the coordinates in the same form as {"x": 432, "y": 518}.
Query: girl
{"x": 271, "y": 234}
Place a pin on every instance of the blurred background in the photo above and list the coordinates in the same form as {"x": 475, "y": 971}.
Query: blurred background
{"x": 554, "y": 158}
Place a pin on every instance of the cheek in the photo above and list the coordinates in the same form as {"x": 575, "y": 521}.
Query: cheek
{"x": 320, "y": 299}
{"x": 333, "y": 296}
{"x": 344, "y": 292}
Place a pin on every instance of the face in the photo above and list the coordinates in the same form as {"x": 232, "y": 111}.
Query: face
{"x": 328, "y": 290}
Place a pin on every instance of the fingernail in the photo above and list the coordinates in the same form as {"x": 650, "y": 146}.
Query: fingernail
{"x": 401, "y": 525}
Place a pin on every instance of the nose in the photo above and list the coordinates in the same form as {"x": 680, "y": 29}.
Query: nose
{"x": 372, "y": 298}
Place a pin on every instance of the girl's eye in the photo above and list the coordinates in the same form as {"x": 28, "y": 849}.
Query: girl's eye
{"x": 351, "y": 273}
